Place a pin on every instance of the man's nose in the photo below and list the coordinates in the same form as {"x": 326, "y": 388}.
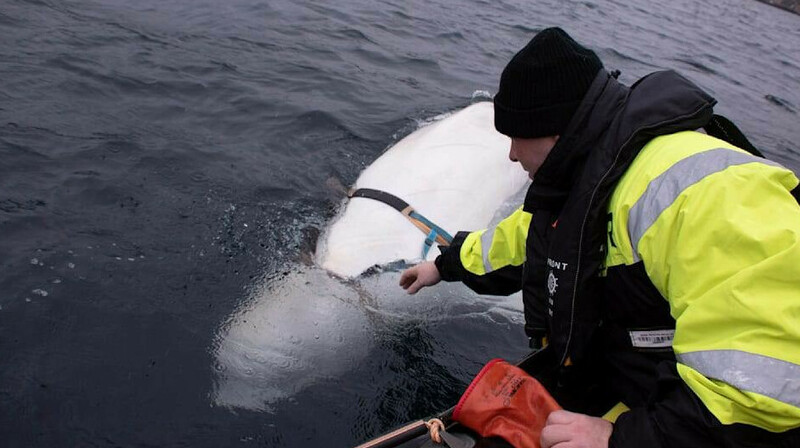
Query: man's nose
{"x": 511, "y": 154}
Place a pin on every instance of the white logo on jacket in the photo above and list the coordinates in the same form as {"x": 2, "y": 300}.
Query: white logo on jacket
{"x": 552, "y": 282}
{"x": 560, "y": 265}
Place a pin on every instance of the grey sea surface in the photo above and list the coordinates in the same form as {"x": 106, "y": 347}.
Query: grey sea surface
{"x": 163, "y": 163}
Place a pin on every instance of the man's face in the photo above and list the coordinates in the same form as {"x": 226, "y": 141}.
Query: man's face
{"x": 531, "y": 152}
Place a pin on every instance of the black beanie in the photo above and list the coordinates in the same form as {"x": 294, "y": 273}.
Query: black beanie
{"x": 542, "y": 86}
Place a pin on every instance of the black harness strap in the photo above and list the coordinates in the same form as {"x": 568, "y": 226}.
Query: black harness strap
{"x": 433, "y": 232}
{"x": 381, "y": 196}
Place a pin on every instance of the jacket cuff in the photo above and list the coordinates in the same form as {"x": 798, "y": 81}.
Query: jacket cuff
{"x": 449, "y": 262}
{"x": 634, "y": 429}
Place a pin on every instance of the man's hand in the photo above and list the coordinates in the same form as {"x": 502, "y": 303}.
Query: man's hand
{"x": 419, "y": 276}
{"x": 565, "y": 429}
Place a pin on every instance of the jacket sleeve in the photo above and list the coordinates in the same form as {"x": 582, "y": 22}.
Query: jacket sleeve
{"x": 677, "y": 418}
{"x": 719, "y": 237}
{"x": 488, "y": 261}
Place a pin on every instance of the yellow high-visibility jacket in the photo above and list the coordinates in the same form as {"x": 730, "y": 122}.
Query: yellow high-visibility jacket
{"x": 717, "y": 231}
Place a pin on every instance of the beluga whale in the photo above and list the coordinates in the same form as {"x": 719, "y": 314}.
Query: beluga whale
{"x": 456, "y": 172}
{"x": 314, "y": 323}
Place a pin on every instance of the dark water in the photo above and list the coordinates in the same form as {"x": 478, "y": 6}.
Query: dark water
{"x": 157, "y": 159}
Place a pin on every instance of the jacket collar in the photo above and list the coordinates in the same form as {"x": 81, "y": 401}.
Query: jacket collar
{"x": 560, "y": 170}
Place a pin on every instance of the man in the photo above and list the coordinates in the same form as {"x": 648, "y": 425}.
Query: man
{"x": 660, "y": 264}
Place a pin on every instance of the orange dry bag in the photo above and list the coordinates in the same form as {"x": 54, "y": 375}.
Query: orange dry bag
{"x": 504, "y": 401}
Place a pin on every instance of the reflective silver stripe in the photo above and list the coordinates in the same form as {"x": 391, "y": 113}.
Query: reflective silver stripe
{"x": 749, "y": 372}
{"x": 664, "y": 189}
{"x": 486, "y": 244}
